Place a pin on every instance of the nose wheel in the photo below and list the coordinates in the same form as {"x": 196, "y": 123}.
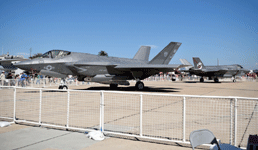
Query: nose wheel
{"x": 64, "y": 87}
{"x": 139, "y": 85}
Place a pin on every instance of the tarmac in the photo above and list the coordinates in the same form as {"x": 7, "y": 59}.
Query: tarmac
{"x": 25, "y": 137}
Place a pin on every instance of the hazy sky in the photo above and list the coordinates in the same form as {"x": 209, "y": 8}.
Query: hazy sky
{"x": 210, "y": 29}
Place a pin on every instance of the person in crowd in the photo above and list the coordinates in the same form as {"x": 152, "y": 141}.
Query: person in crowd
{"x": 38, "y": 79}
{"x": 23, "y": 79}
{"x": 10, "y": 77}
{"x": 2, "y": 77}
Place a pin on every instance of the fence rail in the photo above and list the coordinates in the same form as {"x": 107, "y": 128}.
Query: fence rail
{"x": 162, "y": 117}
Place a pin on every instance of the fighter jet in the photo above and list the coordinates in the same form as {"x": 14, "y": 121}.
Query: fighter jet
{"x": 213, "y": 72}
{"x": 102, "y": 69}
{"x": 7, "y": 61}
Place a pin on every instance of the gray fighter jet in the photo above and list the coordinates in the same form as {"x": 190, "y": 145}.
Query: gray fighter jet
{"x": 102, "y": 69}
{"x": 7, "y": 61}
{"x": 213, "y": 72}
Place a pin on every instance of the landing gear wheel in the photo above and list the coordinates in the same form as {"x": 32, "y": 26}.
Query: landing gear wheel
{"x": 201, "y": 80}
{"x": 234, "y": 80}
{"x": 113, "y": 86}
{"x": 64, "y": 87}
{"x": 216, "y": 80}
{"x": 139, "y": 85}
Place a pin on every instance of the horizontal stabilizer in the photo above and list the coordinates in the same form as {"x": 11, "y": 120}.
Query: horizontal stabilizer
{"x": 185, "y": 62}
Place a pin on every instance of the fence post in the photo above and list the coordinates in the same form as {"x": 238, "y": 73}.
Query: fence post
{"x": 100, "y": 111}
{"x": 68, "y": 108}
{"x": 14, "y": 104}
{"x": 141, "y": 115}
{"x": 101, "y": 124}
{"x": 40, "y": 105}
{"x": 231, "y": 122}
{"x": 235, "y": 122}
{"x": 184, "y": 119}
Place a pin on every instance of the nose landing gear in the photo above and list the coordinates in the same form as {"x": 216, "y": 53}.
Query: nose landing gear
{"x": 63, "y": 85}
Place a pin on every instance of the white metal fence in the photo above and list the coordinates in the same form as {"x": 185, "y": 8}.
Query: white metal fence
{"x": 162, "y": 117}
{"x": 38, "y": 83}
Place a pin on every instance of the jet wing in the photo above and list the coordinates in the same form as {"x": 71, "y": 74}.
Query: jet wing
{"x": 11, "y": 60}
{"x": 139, "y": 66}
{"x": 149, "y": 66}
{"x": 82, "y": 63}
{"x": 131, "y": 66}
{"x": 214, "y": 70}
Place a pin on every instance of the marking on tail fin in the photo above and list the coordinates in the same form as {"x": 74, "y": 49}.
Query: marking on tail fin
{"x": 199, "y": 65}
{"x": 195, "y": 61}
{"x": 165, "y": 54}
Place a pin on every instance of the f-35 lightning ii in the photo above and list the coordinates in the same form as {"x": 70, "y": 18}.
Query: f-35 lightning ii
{"x": 213, "y": 72}
{"x": 7, "y": 61}
{"x": 102, "y": 69}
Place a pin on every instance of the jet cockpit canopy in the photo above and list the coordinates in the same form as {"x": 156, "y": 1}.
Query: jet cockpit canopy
{"x": 55, "y": 54}
{"x": 240, "y": 66}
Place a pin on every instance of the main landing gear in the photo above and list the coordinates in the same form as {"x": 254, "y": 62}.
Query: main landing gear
{"x": 113, "y": 86}
{"x": 139, "y": 85}
{"x": 234, "y": 78}
{"x": 216, "y": 80}
{"x": 201, "y": 80}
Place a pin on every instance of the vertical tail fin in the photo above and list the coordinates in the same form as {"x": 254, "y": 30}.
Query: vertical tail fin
{"x": 198, "y": 63}
{"x": 143, "y": 53}
{"x": 185, "y": 62}
{"x": 166, "y": 54}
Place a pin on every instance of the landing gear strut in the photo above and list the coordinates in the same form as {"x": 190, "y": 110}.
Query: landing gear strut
{"x": 139, "y": 85}
{"x": 113, "y": 86}
{"x": 62, "y": 85}
{"x": 234, "y": 79}
{"x": 216, "y": 80}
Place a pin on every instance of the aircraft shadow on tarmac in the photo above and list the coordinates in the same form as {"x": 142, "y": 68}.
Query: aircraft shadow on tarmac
{"x": 45, "y": 91}
{"x": 132, "y": 88}
{"x": 199, "y": 82}
{"x": 207, "y": 82}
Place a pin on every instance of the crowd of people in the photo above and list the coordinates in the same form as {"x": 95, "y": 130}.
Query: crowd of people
{"x": 22, "y": 77}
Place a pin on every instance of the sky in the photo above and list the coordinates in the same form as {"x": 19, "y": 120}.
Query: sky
{"x": 210, "y": 29}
